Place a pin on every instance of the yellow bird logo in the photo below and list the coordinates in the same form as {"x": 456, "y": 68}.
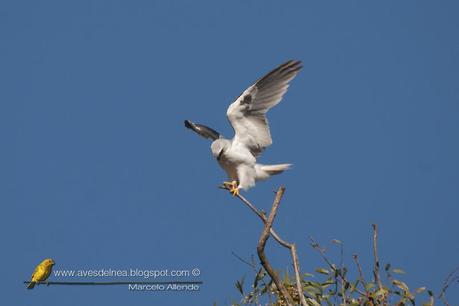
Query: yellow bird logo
{"x": 41, "y": 272}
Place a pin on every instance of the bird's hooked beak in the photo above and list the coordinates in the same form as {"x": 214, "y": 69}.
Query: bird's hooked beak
{"x": 220, "y": 154}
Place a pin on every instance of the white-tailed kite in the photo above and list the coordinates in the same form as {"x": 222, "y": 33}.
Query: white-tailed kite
{"x": 247, "y": 115}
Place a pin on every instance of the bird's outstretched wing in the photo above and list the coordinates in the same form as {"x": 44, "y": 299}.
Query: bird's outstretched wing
{"x": 247, "y": 114}
{"x": 202, "y": 130}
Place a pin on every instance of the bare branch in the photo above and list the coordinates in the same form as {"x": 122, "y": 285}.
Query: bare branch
{"x": 451, "y": 278}
{"x": 252, "y": 265}
{"x": 279, "y": 240}
{"x": 296, "y": 267}
{"x": 261, "y": 248}
{"x": 361, "y": 278}
{"x": 375, "y": 252}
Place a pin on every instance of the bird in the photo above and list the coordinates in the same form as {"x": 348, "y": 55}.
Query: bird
{"x": 247, "y": 115}
{"x": 41, "y": 272}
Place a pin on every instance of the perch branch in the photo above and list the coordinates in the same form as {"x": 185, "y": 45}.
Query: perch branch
{"x": 285, "y": 244}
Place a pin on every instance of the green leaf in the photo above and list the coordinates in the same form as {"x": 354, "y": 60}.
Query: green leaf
{"x": 401, "y": 285}
{"x": 312, "y": 302}
{"x": 308, "y": 275}
{"x": 326, "y": 284}
{"x": 404, "y": 287}
{"x": 398, "y": 271}
{"x": 258, "y": 277}
{"x": 421, "y": 290}
{"x": 286, "y": 278}
{"x": 336, "y": 241}
{"x": 264, "y": 289}
{"x": 322, "y": 271}
{"x": 380, "y": 293}
{"x": 239, "y": 285}
{"x": 313, "y": 290}
{"x": 354, "y": 286}
{"x": 369, "y": 286}
{"x": 337, "y": 272}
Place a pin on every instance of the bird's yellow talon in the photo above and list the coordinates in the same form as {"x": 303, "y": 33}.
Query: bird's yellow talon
{"x": 232, "y": 187}
{"x": 234, "y": 191}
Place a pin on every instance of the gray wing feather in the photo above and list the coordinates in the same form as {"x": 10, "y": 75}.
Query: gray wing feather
{"x": 247, "y": 114}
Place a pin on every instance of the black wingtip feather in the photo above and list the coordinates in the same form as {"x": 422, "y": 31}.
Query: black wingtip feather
{"x": 202, "y": 130}
{"x": 285, "y": 69}
{"x": 290, "y": 66}
{"x": 188, "y": 124}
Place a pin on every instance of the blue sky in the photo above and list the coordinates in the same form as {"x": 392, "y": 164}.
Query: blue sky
{"x": 99, "y": 172}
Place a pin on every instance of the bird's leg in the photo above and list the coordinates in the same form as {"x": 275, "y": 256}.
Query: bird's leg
{"x": 232, "y": 187}
{"x": 226, "y": 184}
{"x": 229, "y": 185}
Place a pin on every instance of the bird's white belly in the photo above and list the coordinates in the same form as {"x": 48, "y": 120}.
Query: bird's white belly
{"x": 234, "y": 157}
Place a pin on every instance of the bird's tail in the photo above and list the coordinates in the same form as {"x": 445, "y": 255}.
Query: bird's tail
{"x": 265, "y": 171}
{"x": 31, "y": 285}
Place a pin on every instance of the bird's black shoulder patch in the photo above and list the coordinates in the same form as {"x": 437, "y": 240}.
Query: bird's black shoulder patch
{"x": 220, "y": 155}
{"x": 247, "y": 99}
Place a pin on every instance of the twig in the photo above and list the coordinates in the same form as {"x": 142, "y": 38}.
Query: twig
{"x": 261, "y": 248}
{"x": 296, "y": 267}
{"x": 375, "y": 252}
{"x": 341, "y": 268}
{"x": 448, "y": 281}
{"x": 362, "y": 279}
{"x": 262, "y": 216}
{"x": 244, "y": 261}
{"x": 254, "y": 268}
{"x": 316, "y": 246}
